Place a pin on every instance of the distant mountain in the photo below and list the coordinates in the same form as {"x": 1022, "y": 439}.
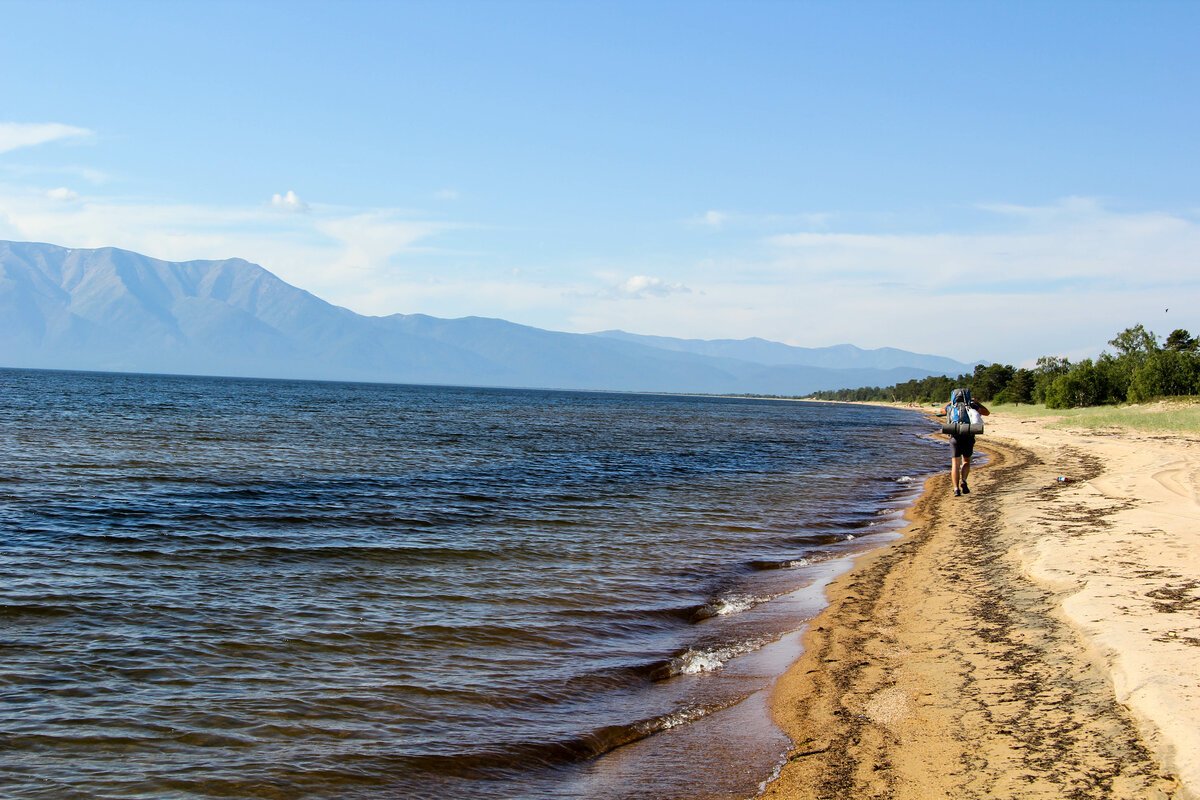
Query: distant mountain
{"x": 763, "y": 351}
{"x": 110, "y": 309}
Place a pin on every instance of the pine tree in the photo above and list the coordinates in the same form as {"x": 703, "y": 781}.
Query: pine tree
{"x": 1182, "y": 342}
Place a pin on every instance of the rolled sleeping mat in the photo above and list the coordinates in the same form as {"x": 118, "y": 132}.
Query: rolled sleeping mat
{"x": 959, "y": 428}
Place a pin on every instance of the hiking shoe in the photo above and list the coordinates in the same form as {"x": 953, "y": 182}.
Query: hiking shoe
{"x": 957, "y": 493}
{"x": 965, "y": 490}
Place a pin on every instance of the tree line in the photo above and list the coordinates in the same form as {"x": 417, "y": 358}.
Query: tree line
{"x": 1141, "y": 367}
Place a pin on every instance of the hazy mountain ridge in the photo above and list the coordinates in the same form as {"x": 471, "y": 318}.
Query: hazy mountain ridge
{"x": 111, "y": 309}
{"x": 764, "y": 351}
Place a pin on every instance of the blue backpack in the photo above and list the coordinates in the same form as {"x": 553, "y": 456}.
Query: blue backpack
{"x": 959, "y": 414}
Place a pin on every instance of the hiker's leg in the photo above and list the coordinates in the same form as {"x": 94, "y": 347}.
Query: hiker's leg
{"x": 954, "y": 479}
{"x": 966, "y": 467}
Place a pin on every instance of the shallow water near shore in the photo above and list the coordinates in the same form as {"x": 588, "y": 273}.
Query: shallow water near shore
{"x": 239, "y": 588}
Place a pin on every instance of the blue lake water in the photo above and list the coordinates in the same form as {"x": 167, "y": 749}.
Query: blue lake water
{"x": 238, "y": 588}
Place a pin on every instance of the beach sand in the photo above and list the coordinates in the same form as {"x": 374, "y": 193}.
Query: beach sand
{"x": 1035, "y": 639}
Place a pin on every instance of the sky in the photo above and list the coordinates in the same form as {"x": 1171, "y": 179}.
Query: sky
{"x": 978, "y": 180}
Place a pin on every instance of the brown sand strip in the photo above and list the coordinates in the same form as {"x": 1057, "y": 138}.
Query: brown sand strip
{"x": 940, "y": 670}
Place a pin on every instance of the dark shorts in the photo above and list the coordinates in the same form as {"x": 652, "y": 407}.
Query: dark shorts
{"x": 962, "y": 445}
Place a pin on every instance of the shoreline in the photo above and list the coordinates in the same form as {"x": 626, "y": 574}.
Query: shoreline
{"x": 1036, "y": 638}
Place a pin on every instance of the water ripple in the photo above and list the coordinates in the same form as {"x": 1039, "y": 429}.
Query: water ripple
{"x": 227, "y": 588}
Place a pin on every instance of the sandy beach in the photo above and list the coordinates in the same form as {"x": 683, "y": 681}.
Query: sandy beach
{"x": 1036, "y": 639}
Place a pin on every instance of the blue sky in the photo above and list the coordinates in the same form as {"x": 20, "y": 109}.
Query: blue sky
{"x": 979, "y": 180}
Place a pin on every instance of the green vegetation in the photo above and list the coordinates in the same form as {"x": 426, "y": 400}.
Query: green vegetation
{"x": 1175, "y": 416}
{"x": 1139, "y": 370}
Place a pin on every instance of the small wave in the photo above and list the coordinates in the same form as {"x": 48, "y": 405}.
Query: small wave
{"x": 38, "y": 610}
{"x": 695, "y": 661}
{"x": 904, "y": 479}
{"x": 627, "y": 618}
{"x": 820, "y": 538}
{"x": 619, "y": 678}
{"x": 774, "y": 776}
{"x": 791, "y": 563}
{"x": 724, "y": 606}
{"x": 586, "y": 746}
{"x": 230, "y": 549}
{"x": 674, "y": 719}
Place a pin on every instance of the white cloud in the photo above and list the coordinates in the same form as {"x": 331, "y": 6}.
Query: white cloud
{"x": 1066, "y": 208}
{"x": 524, "y": 301}
{"x": 289, "y": 202}
{"x": 718, "y": 220}
{"x": 647, "y": 286}
{"x": 1028, "y": 281}
{"x": 369, "y": 244}
{"x": 37, "y": 171}
{"x": 14, "y": 135}
{"x": 1076, "y": 240}
{"x": 63, "y": 194}
{"x": 446, "y": 194}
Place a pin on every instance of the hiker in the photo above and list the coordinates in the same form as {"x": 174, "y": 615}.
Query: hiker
{"x": 962, "y": 436}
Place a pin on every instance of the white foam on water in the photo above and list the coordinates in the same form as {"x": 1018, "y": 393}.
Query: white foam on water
{"x": 904, "y": 479}
{"x": 681, "y": 717}
{"x": 693, "y": 661}
{"x": 734, "y": 604}
{"x": 774, "y": 776}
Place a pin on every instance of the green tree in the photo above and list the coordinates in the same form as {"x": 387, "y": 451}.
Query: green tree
{"x": 1115, "y": 375}
{"x": 1139, "y": 369}
{"x": 1166, "y": 373}
{"x": 1135, "y": 343}
{"x": 1019, "y": 390}
{"x": 989, "y": 381}
{"x": 1083, "y": 386}
{"x": 1048, "y": 369}
{"x": 1181, "y": 341}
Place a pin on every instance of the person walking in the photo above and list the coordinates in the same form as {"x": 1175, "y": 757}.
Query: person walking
{"x": 962, "y": 445}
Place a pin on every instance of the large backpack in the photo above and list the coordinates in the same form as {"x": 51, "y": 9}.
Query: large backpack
{"x": 960, "y": 417}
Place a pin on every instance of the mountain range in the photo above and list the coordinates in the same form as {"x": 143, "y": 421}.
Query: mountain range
{"x": 114, "y": 310}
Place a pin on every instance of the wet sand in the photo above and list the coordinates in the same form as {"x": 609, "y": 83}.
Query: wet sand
{"x": 1035, "y": 639}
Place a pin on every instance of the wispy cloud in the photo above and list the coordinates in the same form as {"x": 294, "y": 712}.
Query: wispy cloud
{"x": 1066, "y": 208}
{"x": 91, "y": 175}
{"x": 63, "y": 194}
{"x": 640, "y": 286}
{"x": 1025, "y": 281}
{"x": 721, "y": 220}
{"x": 372, "y": 241}
{"x": 15, "y": 135}
{"x": 1075, "y": 239}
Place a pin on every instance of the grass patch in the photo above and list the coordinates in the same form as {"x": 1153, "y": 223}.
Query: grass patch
{"x": 1164, "y": 416}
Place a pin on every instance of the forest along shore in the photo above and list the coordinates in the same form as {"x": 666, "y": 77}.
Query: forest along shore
{"x": 1038, "y": 638}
